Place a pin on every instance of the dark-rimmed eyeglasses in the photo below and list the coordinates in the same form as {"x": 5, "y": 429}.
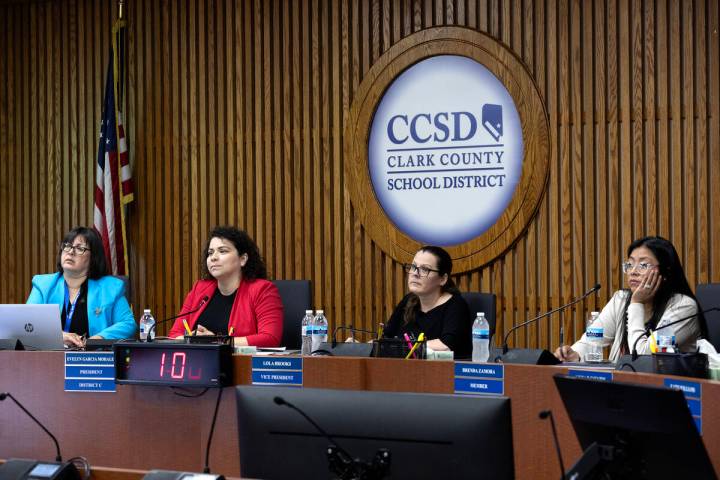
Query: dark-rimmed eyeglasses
{"x": 418, "y": 270}
{"x": 78, "y": 250}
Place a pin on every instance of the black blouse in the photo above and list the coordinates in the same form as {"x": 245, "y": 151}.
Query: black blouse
{"x": 449, "y": 322}
{"x": 216, "y": 315}
{"x": 79, "y": 322}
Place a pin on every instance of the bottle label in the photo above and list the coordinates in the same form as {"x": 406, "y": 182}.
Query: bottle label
{"x": 594, "y": 333}
{"x": 666, "y": 340}
{"x": 304, "y": 331}
{"x": 480, "y": 334}
{"x": 321, "y": 330}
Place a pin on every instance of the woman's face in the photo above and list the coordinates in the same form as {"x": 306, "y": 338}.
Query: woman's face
{"x": 73, "y": 261}
{"x": 223, "y": 259}
{"x": 420, "y": 284}
{"x": 641, "y": 262}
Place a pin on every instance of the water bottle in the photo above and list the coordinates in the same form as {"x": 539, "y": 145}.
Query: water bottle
{"x": 665, "y": 340}
{"x": 146, "y": 323}
{"x": 319, "y": 330}
{"x": 480, "y": 339}
{"x": 594, "y": 335}
{"x": 306, "y": 333}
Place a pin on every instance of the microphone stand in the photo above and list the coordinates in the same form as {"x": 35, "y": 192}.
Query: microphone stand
{"x": 352, "y": 329}
{"x": 149, "y": 337}
{"x": 547, "y": 314}
{"x": 340, "y": 461}
{"x": 5, "y": 395}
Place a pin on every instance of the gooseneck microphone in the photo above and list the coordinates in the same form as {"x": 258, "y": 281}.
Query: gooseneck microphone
{"x": 341, "y": 463}
{"x": 649, "y": 331}
{"x": 352, "y": 329}
{"x": 5, "y": 395}
{"x": 548, "y": 414}
{"x": 203, "y": 301}
{"x": 547, "y": 314}
{"x": 206, "y": 469}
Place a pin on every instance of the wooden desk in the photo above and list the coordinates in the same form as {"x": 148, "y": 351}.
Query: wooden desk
{"x": 152, "y": 427}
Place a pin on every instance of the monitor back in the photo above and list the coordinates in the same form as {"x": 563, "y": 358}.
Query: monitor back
{"x": 428, "y": 435}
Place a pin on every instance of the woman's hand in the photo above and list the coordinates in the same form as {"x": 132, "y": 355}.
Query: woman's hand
{"x": 200, "y": 330}
{"x": 73, "y": 340}
{"x": 567, "y": 354}
{"x": 649, "y": 285}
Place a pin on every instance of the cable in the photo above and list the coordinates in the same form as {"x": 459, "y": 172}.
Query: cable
{"x": 176, "y": 391}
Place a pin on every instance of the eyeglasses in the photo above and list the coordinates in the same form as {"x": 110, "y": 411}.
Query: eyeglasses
{"x": 421, "y": 271}
{"x": 642, "y": 267}
{"x": 76, "y": 249}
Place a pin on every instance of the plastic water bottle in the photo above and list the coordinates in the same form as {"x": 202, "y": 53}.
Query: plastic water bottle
{"x": 594, "y": 335}
{"x": 665, "y": 340}
{"x": 319, "y": 330}
{"x": 480, "y": 339}
{"x": 306, "y": 333}
{"x": 146, "y": 324}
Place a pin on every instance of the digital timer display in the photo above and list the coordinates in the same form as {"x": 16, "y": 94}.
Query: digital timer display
{"x": 173, "y": 364}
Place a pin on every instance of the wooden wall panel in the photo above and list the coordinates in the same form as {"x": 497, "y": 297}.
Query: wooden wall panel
{"x": 235, "y": 112}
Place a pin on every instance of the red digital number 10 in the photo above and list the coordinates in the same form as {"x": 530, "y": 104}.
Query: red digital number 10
{"x": 177, "y": 369}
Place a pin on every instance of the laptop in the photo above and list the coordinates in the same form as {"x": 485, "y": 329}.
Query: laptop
{"x": 36, "y": 326}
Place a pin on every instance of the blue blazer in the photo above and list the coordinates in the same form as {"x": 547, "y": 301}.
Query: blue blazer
{"x": 109, "y": 313}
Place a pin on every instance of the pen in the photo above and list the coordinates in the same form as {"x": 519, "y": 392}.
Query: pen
{"x": 381, "y": 330}
{"x": 232, "y": 329}
{"x": 187, "y": 328}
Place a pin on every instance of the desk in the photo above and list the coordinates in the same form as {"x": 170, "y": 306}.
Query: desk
{"x": 151, "y": 427}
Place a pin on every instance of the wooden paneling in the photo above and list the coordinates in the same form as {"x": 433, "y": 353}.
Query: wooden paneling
{"x": 236, "y": 113}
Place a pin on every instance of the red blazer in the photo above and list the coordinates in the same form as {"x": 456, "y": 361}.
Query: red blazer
{"x": 257, "y": 312}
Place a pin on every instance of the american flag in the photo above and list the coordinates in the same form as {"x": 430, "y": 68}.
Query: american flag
{"x": 113, "y": 179}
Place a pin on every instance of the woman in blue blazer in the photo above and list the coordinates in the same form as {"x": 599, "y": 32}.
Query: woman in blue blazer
{"x": 82, "y": 281}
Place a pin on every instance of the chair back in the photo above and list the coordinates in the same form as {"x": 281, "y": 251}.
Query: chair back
{"x": 482, "y": 302}
{"x": 296, "y": 296}
{"x": 708, "y": 296}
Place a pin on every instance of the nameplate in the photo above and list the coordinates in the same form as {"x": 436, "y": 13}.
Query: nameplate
{"x": 479, "y": 378}
{"x": 693, "y": 396}
{"x": 89, "y": 372}
{"x": 591, "y": 375}
{"x": 277, "y": 371}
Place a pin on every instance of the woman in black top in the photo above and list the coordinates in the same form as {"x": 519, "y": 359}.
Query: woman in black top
{"x": 434, "y": 305}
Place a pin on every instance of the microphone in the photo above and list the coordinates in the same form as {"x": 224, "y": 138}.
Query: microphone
{"x": 341, "y": 462}
{"x": 547, "y": 314}
{"x": 548, "y": 414}
{"x": 203, "y": 301}
{"x": 5, "y": 395}
{"x": 212, "y": 430}
{"x": 648, "y": 330}
{"x": 352, "y": 329}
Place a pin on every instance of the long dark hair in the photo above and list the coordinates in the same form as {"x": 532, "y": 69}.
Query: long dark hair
{"x": 673, "y": 282}
{"x": 444, "y": 267}
{"x": 98, "y": 263}
{"x": 255, "y": 265}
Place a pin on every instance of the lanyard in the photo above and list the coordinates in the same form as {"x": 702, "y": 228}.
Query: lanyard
{"x": 69, "y": 308}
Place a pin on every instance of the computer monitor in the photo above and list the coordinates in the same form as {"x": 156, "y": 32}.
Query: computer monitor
{"x": 36, "y": 326}
{"x": 648, "y": 430}
{"x": 427, "y": 435}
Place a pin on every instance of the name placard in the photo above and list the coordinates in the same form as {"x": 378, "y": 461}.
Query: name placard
{"x": 591, "y": 374}
{"x": 479, "y": 378}
{"x": 89, "y": 372}
{"x": 693, "y": 396}
{"x": 286, "y": 371}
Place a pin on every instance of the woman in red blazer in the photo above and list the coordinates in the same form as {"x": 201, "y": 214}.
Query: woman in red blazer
{"x": 233, "y": 298}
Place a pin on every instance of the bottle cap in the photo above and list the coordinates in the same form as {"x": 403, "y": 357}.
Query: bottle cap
{"x": 147, "y": 310}
{"x": 308, "y": 312}
{"x": 319, "y": 312}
